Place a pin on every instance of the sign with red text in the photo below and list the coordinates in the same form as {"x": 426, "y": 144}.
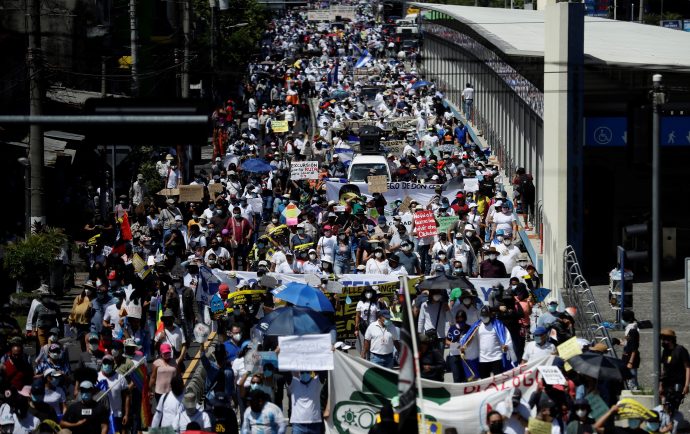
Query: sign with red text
{"x": 304, "y": 170}
{"x": 425, "y": 224}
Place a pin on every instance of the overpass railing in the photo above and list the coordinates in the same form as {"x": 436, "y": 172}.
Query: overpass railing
{"x": 578, "y": 294}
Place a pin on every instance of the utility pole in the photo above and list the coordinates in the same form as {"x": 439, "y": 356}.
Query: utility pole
{"x": 103, "y": 82}
{"x": 35, "y": 109}
{"x": 134, "y": 42}
{"x": 641, "y": 11}
{"x": 658, "y": 99}
{"x": 186, "y": 26}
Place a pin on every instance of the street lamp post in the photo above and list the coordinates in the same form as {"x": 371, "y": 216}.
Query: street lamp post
{"x": 24, "y": 161}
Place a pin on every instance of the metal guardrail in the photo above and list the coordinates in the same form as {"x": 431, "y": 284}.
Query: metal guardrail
{"x": 577, "y": 293}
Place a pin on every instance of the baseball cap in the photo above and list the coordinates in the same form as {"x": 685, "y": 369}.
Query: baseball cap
{"x": 165, "y": 348}
{"x": 112, "y": 275}
{"x": 539, "y": 331}
{"x": 327, "y": 228}
{"x": 86, "y": 385}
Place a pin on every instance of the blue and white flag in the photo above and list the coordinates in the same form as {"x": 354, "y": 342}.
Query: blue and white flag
{"x": 363, "y": 60}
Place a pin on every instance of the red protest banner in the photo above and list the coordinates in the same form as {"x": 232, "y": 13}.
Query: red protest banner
{"x": 425, "y": 224}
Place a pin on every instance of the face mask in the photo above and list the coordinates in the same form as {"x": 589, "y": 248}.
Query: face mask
{"x": 367, "y": 295}
{"x": 486, "y": 319}
{"x": 552, "y": 308}
{"x": 378, "y": 255}
{"x": 653, "y": 426}
{"x": 492, "y": 257}
{"x": 55, "y": 382}
{"x": 499, "y": 238}
{"x": 300, "y": 231}
{"x": 407, "y": 248}
{"x": 522, "y": 263}
{"x": 237, "y": 337}
{"x": 467, "y": 301}
{"x": 36, "y": 398}
{"x": 458, "y": 269}
{"x": 634, "y": 423}
{"x": 211, "y": 262}
{"x": 274, "y": 221}
{"x": 238, "y": 216}
{"x": 507, "y": 242}
{"x": 441, "y": 256}
{"x": 107, "y": 369}
{"x": 312, "y": 256}
{"x": 86, "y": 396}
{"x": 496, "y": 427}
{"x": 387, "y": 323}
{"x": 52, "y": 338}
{"x": 468, "y": 234}
{"x": 93, "y": 347}
{"x": 437, "y": 297}
{"x": 581, "y": 413}
{"x": 268, "y": 374}
{"x": 54, "y": 356}
{"x": 255, "y": 386}
{"x": 305, "y": 377}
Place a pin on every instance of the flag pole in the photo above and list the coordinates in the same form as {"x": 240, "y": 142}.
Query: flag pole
{"x": 404, "y": 281}
{"x": 103, "y": 393}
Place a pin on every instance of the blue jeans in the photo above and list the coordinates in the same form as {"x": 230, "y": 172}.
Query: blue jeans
{"x": 424, "y": 258}
{"x": 229, "y": 382}
{"x": 306, "y": 428}
{"x": 385, "y": 360}
{"x": 455, "y": 365}
{"x": 468, "y": 109}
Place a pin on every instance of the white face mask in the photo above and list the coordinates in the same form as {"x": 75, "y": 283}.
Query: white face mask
{"x": 486, "y": 319}
{"x": 437, "y": 297}
{"x": 581, "y": 413}
{"x": 499, "y": 238}
{"x": 367, "y": 295}
{"x": 312, "y": 256}
{"x": 467, "y": 301}
{"x": 378, "y": 255}
{"x": 468, "y": 234}
{"x": 492, "y": 257}
{"x": 507, "y": 242}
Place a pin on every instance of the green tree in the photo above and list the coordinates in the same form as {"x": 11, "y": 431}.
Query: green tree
{"x": 29, "y": 260}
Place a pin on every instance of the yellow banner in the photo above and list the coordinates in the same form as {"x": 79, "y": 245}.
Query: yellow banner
{"x": 279, "y": 126}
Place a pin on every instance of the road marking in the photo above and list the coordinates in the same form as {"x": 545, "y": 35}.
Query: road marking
{"x": 192, "y": 365}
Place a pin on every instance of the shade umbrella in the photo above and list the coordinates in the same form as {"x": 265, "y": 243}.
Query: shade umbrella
{"x": 294, "y": 321}
{"x": 599, "y": 366}
{"x": 445, "y": 282}
{"x": 303, "y": 295}
{"x": 420, "y": 83}
{"x": 256, "y": 165}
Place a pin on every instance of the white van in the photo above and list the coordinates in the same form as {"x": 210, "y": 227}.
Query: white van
{"x": 362, "y": 164}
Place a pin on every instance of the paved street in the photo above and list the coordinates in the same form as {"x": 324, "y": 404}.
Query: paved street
{"x": 673, "y": 314}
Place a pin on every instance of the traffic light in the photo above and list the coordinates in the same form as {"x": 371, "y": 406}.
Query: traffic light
{"x": 636, "y": 242}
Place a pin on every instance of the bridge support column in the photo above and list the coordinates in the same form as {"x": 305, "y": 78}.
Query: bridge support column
{"x": 562, "y": 168}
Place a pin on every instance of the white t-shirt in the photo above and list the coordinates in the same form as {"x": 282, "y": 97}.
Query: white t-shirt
{"x": 26, "y": 425}
{"x": 468, "y": 93}
{"x": 375, "y": 267}
{"x": 55, "y": 398}
{"x": 112, "y": 316}
{"x": 326, "y": 248}
{"x": 511, "y": 425}
{"x": 381, "y": 338}
{"x": 366, "y": 307}
{"x": 305, "y": 400}
{"x": 175, "y": 338}
{"x": 536, "y": 352}
{"x": 183, "y": 419}
{"x": 508, "y": 255}
{"x": 169, "y": 406}
{"x": 116, "y": 384}
{"x": 504, "y": 221}
{"x": 489, "y": 345}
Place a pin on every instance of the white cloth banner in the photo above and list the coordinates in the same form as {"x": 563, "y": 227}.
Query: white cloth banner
{"x": 246, "y": 278}
{"x": 358, "y": 389}
{"x": 305, "y": 353}
{"x": 422, "y": 193}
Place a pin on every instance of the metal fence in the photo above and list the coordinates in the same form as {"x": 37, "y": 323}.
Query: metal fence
{"x": 578, "y": 294}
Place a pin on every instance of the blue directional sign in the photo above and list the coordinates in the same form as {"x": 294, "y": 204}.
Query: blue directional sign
{"x": 606, "y": 132}
{"x": 675, "y": 131}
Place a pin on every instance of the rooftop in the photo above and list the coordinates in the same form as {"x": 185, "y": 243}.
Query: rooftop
{"x": 519, "y": 32}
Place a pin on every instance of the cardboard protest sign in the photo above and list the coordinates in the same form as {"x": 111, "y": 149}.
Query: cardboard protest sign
{"x": 279, "y": 126}
{"x": 305, "y": 353}
{"x": 169, "y": 192}
{"x": 377, "y": 184}
{"x": 304, "y": 170}
{"x": 425, "y": 224}
{"x": 537, "y": 426}
{"x": 445, "y": 222}
{"x": 405, "y": 205}
{"x": 214, "y": 190}
{"x": 471, "y": 184}
{"x": 191, "y": 193}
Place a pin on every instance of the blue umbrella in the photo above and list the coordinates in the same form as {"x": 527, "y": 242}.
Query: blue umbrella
{"x": 420, "y": 83}
{"x": 303, "y": 295}
{"x": 294, "y": 321}
{"x": 256, "y": 165}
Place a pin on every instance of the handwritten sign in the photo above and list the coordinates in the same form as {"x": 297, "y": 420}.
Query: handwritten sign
{"x": 569, "y": 348}
{"x": 395, "y": 147}
{"x": 304, "y": 170}
{"x": 191, "y": 193}
{"x": 425, "y": 224}
{"x": 405, "y": 205}
{"x": 169, "y": 192}
{"x": 305, "y": 353}
{"x": 471, "y": 184}
{"x": 279, "y": 126}
{"x": 445, "y": 222}
{"x": 377, "y": 184}
{"x": 215, "y": 189}
{"x": 537, "y": 426}
{"x": 551, "y": 375}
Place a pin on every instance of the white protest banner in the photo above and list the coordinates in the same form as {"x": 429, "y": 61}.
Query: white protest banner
{"x": 305, "y": 353}
{"x": 552, "y": 375}
{"x": 304, "y": 170}
{"x": 422, "y": 193}
{"x": 319, "y": 15}
{"x": 425, "y": 224}
{"x": 359, "y": 388}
